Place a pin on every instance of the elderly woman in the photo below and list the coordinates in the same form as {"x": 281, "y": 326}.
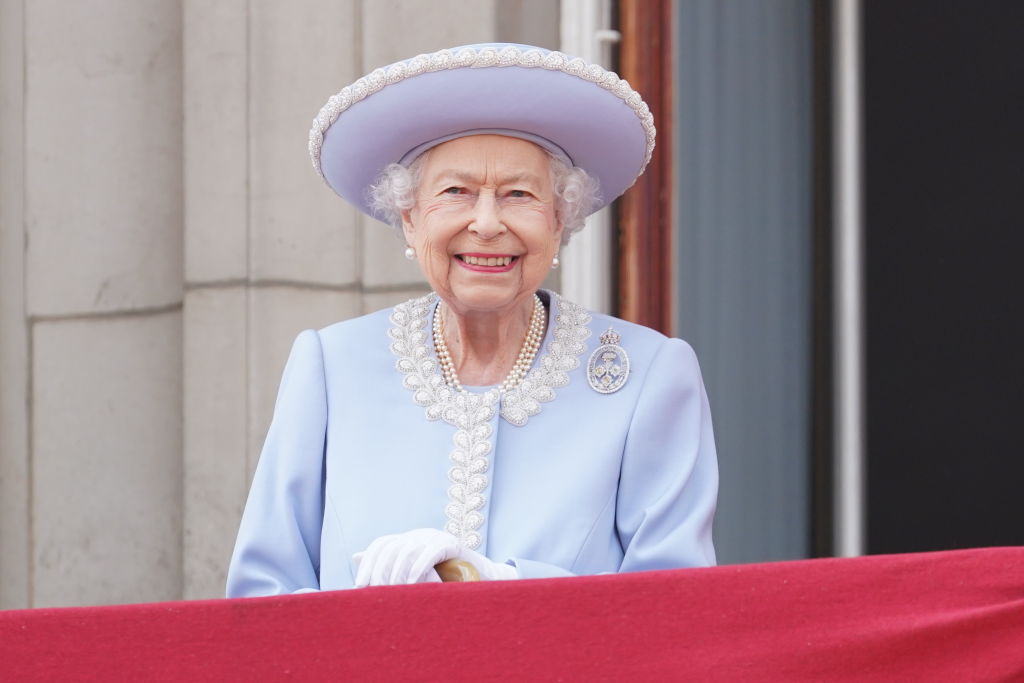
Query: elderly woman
{"x": 490, "y": 421}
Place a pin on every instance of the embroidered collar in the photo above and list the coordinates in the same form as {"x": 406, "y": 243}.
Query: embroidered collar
{"x": 471, "y": 413}
{"x": 563, "y": 346}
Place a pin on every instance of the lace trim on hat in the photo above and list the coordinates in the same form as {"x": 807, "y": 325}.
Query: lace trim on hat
{"x": 478, "y": 58}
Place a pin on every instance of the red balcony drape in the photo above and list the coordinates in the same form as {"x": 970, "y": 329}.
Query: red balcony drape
{"x": 950, "y": 616}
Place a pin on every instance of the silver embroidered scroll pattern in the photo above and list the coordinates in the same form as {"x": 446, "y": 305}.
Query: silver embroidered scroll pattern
{"x": 414, "y": 360}
{"x": 470, "y": 414}
{"x": 562, "y": 357}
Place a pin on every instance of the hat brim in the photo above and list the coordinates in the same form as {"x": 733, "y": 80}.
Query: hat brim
{"x": 595, "y": 119}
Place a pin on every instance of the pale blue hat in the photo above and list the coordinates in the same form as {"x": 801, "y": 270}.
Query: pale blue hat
{"x": 579, "y": 111}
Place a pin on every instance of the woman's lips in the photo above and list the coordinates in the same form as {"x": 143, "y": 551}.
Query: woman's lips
{"x": 487, "y": 263}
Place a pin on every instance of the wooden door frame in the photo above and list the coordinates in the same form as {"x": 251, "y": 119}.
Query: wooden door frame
{"x": 644, "y": 214}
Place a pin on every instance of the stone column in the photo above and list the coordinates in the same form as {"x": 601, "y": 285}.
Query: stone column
{"x": 269, "y": 251}
{"x": 14, "y": 355}
{"x": 94, "y": 402}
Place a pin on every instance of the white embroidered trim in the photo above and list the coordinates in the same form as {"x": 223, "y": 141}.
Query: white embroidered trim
{"x": 471, "y": 413}
{"x": 562, "y": 357}
{"x": 478, "y": 58}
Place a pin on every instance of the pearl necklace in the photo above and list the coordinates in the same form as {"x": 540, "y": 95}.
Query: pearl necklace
{"x": 534, "y": 335}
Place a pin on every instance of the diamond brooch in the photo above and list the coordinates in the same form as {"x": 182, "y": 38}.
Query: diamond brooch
{"x": 608, "y": 368}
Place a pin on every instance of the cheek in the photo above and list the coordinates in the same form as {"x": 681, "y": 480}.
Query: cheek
{"x": 432, "y": 251}
{"x": 545, "y": 235}
{"x": 544, "y": 244}
{"x": 433, "y": 259}
{"x": 427, "y": 233}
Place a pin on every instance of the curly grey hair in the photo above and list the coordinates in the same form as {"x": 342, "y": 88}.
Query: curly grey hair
{"x": 576, "y": 193}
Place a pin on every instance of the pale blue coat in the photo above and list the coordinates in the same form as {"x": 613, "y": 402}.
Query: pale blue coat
{"x": 588, "y": 483}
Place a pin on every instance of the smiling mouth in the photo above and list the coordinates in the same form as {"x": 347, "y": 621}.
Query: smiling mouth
{"x": 484, "y": 261}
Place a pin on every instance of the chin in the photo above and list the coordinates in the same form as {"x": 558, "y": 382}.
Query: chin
{"x": 485, "y": 298}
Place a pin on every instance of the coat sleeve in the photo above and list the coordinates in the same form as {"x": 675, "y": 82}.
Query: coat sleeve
{"x": 668, "y": 483}
{"x": 278, "y": 546}
{"x": 668, "y": 487}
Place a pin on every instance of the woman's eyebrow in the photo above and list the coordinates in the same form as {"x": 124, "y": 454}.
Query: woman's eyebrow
{"x": 467, "y": 178}
{"x": 519, "y": 178}
{"x": 450, "y": 175}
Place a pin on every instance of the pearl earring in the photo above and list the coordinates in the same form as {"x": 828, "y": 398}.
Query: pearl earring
{"x": 410, "y": 253}
{"x": 555, "y": 262}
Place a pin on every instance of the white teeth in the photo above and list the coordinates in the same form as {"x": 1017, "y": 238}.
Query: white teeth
{"x": 488, "y": 261}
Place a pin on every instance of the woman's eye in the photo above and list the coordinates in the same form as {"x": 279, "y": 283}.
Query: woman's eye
{"x": 518, "y": 194}
{"x": 454, "y": 190}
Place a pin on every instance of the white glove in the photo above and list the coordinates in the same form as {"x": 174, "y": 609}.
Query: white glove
{"x": 410, "y": 558}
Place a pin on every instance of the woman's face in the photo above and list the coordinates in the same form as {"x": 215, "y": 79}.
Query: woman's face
{"x": 484, "y": 225}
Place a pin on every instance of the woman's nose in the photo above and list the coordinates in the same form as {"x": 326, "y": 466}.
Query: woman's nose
{"x": 486, "y": 220}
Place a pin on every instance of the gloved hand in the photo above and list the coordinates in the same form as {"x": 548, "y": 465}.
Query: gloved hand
{"x": 410, "y": 558}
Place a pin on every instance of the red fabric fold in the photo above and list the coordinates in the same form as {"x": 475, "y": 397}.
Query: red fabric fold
{"x": 956, "y": 616}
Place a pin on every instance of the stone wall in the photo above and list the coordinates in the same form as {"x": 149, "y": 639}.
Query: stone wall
{"x": 163, "y": 238}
